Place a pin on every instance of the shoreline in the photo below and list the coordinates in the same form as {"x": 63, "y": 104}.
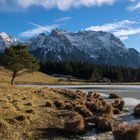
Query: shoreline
{"x": 66, "y": 84}
{"x": 46, "y": 111}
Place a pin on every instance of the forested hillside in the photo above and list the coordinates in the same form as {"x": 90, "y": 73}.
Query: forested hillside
{"x": 92, "y": 72}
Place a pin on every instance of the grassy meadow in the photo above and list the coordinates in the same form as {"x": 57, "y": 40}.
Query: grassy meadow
{"x": 35, "y": 78}
{"x": 24, "y": 113}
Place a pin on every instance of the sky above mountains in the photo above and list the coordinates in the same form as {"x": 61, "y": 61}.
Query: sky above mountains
{"x": 26, "y": 18}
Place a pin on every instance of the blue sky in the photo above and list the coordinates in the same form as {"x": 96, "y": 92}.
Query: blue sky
{"x": 26, "y": 18}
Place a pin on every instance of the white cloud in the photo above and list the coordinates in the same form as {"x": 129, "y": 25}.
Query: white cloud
{"x": 111, "y": 26}
{"x": 124, "y": 37}
{"x": 39, "y": 29}
{"x": 122, "y": 29}
{"x": 62, "y": 19}
{"x": 134, "y": 7}
{"x": 131, "y": 31}
{"x": 48, "y": 4}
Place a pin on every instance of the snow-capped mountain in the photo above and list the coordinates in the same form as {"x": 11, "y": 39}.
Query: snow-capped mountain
{"x": 6, "y": 41}
{"x": 89, "y": 46}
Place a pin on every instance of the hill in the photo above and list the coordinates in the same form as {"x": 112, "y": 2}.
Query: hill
{"x": 29, "y": 78}
{"x": 37, "y": 78}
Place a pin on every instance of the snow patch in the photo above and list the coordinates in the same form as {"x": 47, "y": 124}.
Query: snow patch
{"x": 94, "y": 56}
{"x": 131, "y": 102}
{"x": 59, "y": 57}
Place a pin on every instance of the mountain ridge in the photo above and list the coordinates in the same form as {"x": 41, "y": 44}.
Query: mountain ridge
{"x": 90, "y": 46}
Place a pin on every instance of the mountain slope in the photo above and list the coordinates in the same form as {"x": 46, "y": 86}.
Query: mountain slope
{"x": 89, "y": 46}
{"x": 6, "y": 41}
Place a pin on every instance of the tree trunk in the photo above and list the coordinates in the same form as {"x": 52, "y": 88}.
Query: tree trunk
{"x": 13, "y": 79}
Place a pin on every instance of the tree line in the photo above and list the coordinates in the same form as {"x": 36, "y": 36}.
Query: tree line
{"x": 91, "y": 72}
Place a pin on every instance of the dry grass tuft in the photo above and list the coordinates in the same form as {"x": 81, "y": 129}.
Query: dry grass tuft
{"x": 109, "y": 111}
{"x": 49, "y": 103}
{"x": 127, "y": 132}
{"x": 83, "y": 110}
{"x": 30, "y": 111}
{"x": 114, "y": 96}
{"x": 119, "y": 104}
{"x": 75, "y": 124}
{"x": 58, "y": 103}
{"x": 137, "y": 111}
{"x": 20, "y": 118}
{"x": 68, "y": 106}
{"x": 103, "y": 124}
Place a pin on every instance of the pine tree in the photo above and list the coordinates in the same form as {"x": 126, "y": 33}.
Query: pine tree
{"x": 18, "y": 60}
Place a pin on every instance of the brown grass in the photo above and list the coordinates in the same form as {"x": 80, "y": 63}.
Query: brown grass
{"x": 114, "y": 96}
{"x": 22, "y": 112}
{"x": 103, "y": 124}
{"x": 49, "y": 103}
{"x": 119, "y": 104}
{"x": 25, "y": 112}
{"x": 127, "y": 132}
{"x": 137, "y": 111}
{"x": 83, "y": 110}
{"x": 109, "y": 111}
{"x": 75, "y": 124}
{"x": 35, "y": 78}
{"x": 68, "y": 106}
{"x": 58, "y": 103}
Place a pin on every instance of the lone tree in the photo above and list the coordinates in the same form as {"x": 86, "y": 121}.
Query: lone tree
{"x": 18, "y": 60}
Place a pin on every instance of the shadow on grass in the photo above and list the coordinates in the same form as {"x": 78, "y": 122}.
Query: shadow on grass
{"x": 55, "y": 134}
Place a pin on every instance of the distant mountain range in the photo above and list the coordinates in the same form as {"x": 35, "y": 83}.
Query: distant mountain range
{"x": 89, "y": 46}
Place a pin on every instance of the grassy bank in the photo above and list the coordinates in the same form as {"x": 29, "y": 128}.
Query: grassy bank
{"x": 24, "y": 114}
{"x": 28, "y": 113}
{"x": 36, "y": 78}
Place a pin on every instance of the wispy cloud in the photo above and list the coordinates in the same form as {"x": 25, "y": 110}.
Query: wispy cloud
{"x": 134, "y": 7}
{"x": 39, "y": 29}
{"x": 48, "y": 4}
{"x": 122, "y": 29}
{"x": 111, "y": 26}
{"x": 125, "y": 33}
{"x": 62, "y": 19}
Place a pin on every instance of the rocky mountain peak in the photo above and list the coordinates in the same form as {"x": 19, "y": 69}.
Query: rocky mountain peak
{"x": 6, "y": 40}
{"x": 89, "y": 46}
